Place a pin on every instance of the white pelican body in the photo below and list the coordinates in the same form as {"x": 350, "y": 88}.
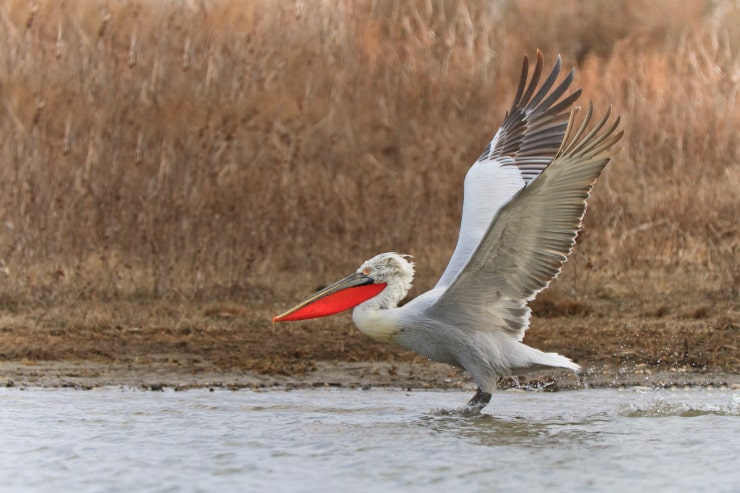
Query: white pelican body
{"x": 524, "y": 201}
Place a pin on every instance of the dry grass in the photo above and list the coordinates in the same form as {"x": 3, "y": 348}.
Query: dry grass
{"x": 239, "y": 151}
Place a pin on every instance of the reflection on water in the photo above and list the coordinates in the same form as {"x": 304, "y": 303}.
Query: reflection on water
{"x": 380, "y": 440}
{"x": 493, "y": 432}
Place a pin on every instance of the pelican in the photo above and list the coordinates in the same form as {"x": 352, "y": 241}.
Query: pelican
{"x": 525, "y": 198}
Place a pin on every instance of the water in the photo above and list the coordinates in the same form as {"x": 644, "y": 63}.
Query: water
{"x": 114, "y": 439}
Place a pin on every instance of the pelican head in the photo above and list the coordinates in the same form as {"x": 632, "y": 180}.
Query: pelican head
{"x": 379, "y": 283}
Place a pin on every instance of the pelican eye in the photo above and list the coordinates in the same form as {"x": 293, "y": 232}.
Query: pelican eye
{"x": 367, "y": 271}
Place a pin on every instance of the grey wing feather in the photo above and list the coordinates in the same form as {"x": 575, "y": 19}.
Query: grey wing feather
{"x": 530, "y": 238}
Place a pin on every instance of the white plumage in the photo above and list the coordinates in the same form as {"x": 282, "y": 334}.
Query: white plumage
{"x": 524, "y": 201}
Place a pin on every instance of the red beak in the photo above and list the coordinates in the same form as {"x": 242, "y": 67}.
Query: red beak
{"x": 340, "y": 296}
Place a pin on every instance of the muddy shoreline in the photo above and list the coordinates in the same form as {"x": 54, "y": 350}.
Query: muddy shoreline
{"x": 355, "y": 375}
{"x": 184, "y": 344}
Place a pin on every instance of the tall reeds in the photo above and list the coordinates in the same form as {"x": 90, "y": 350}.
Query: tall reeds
{"x": 193, "y": 149}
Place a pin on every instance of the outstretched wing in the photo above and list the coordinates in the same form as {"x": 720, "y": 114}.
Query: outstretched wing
{"x": 527, "y": 141}
{"x": 531, "y": 236}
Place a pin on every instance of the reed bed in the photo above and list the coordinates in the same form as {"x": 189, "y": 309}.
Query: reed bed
{"x": 232, "y": 150}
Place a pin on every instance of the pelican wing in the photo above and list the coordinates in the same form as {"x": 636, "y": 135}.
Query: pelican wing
{"x": 531, "y": 236}
{"x": 527, "y": 141}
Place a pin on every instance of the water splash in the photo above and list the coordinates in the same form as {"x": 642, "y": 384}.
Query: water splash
{"x": 672, "y": 405}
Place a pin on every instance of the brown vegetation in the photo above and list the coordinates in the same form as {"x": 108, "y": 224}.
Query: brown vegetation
{"x": 178, "y": 154}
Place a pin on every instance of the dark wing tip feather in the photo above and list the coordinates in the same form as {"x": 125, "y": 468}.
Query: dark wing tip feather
{"x": 522, "y": 85}
{"x": 534, "y": 80}
{"x": 547, "y": 85}
{"x": 534, "y": 127}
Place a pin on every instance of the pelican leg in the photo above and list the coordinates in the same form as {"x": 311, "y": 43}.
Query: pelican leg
{"x": 479, "y": 400}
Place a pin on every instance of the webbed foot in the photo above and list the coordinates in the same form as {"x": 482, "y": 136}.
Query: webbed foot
{"x": 479, "y": 400}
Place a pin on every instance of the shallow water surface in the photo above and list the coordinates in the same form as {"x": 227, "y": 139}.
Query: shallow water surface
{"x": 113, "y": 439}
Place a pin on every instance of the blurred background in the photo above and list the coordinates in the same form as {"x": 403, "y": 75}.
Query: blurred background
{"x": 252, "y": 151}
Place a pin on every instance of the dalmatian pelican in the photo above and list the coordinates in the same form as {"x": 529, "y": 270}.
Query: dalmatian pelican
{"x": 525, "y": 198}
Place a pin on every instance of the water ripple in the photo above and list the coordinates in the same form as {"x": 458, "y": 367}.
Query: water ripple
{"x": 378, "y": 440}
